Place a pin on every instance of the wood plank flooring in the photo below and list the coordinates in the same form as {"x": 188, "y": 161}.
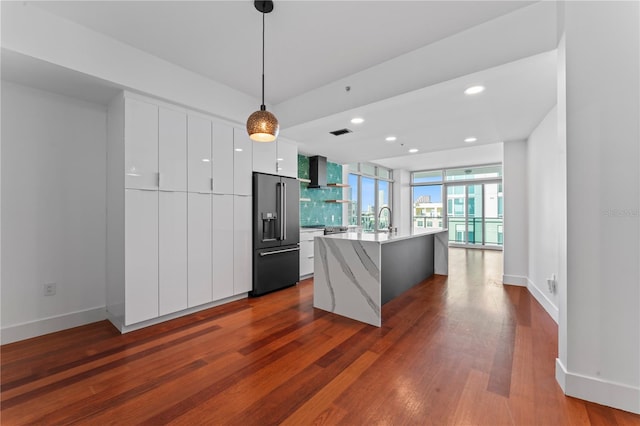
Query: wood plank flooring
{"x": 455, "y": 350}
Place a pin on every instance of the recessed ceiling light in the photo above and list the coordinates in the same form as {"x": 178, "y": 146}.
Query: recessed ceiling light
{"x": 474, "y": 90}
{"x": 413, "y": 150}
{"x": 238, "y": 149}
{"x": 390, "y": 139}
{"x": 471, "y": 139}
{"x": 357, "y": 120}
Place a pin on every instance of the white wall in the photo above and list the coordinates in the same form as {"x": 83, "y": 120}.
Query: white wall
{"x": 54, "y": 211}
{"x": 33, "y": 32}
{"x": 546, "y": 167}
{"x": 601, "y": 334}
{"x": 515, "y": 247}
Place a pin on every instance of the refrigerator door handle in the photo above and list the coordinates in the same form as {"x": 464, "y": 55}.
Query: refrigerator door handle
{"x": 280, "y": 213}
{"x": 284, "y": 211}
{"x": 269, "y": 253}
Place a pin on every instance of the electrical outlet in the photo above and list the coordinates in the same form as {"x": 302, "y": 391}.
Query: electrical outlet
{"x": 552, "y": 284}
{"x": 50, "y": 289}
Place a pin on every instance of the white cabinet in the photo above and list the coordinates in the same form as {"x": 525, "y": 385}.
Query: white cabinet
{"x": 276, "y": 158}
{"x": 306, "y": 251}
{"x": 223, "y": 159}
{"x": 242, "y": 162}
{"x": 287, "y": 159}
{"x": 199, "y": 154}
{"x": 223, "y": 241}
{"x": 172, "y": 252}
{"x": 140, "y": 145}
{"x": 199, "y": 251}
{"x": 264, "y": 157}
{"x": 179, "y": 206}
{"x": 141, "y": 255}
{"x": 242, "y": 244}
{"x": 172, "y": 150}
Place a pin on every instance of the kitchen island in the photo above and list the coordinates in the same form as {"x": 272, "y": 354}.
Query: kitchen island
{"x": 356, "y": 273}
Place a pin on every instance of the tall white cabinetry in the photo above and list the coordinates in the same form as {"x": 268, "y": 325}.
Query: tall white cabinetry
{"x": 178, "y": 211}
{"x": 280, "y": 158}
{"x": 199, "y": 218}
{"x": 242, "y": 208}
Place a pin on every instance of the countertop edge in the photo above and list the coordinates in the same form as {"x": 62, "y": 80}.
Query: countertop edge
{"x": 380, "y": 238}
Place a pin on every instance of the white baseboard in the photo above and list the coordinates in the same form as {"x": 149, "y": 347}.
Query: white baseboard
{"x": 518, "y": 280}
{"x": 542, "y": 298}
{"x": 616, "y": 395}
{"x": 117, "y": 322}
{"x": 27, "y": 330}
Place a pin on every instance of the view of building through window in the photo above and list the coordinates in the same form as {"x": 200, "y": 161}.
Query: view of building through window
{"x": 474, "y": 203}
{"x": 370, "y": 199}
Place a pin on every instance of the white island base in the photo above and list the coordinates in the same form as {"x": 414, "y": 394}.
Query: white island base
{"x": 356, "y": 273}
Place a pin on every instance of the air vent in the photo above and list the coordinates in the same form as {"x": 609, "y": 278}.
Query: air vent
{"x": 341, "y": 132}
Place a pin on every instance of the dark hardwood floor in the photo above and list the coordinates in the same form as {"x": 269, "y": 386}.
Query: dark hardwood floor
{"x": 462, "y": 349}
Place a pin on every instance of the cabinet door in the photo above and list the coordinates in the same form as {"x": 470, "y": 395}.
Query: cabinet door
{"x": 141, "y": 255}
{"x": 287, "y": 159}
{"x": 172, "y": 238}
{"x": 242, "y": 247}
{"x": 223, "y": 159}
{"x": 223, "y": 242}
{"x": 199, "y": 254}
{"x": 306, "y": 257}
{"x": 172, "y": 150}
{"x": 141, "y": 145}
{"x": 242, "y": 160}
{"x": 200, "y": 160}
{"x": 264, "y": 157}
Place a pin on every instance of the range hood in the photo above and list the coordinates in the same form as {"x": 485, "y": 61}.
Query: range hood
{"x": 317, "y": 172}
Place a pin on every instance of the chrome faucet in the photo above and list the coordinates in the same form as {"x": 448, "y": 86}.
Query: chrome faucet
{"x": 390, "y": 217}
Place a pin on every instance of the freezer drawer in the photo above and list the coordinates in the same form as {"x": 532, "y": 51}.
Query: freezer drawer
{"x": 274, "y": 269}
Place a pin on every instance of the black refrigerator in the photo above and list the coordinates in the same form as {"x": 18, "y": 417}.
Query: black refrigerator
{"x": 276, "y": 233}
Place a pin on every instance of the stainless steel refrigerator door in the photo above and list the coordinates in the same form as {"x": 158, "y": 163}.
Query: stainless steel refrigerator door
{"x": 274, "y": 269}
{"x": 291, "y": 203}
{"x": 266, "y": 211}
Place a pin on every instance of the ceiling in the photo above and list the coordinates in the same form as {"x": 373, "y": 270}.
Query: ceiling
{"x": 312, "y": 44}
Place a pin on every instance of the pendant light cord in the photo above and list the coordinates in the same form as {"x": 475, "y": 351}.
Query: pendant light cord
{"x": 263, "y": 60}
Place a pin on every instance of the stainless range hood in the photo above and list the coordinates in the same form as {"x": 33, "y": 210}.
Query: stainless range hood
{"x": 317, "y": 172}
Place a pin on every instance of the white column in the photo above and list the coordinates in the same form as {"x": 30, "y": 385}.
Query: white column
{"x": 599, "y": 332}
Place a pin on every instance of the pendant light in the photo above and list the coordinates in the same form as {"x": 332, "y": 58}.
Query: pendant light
{"x": 263, "y": 126}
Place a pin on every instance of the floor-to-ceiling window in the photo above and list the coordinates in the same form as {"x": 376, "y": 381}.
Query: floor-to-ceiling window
{"x": 473, "y": 210}
{"x": 371, "y": 190}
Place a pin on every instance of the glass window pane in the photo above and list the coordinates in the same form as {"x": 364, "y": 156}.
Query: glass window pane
{"x": 475, "y": 214}
{"x": 368, "y": 169}
{"x": 482, "y": 172}
{"x": 383, "y": 201}
{"x": 384, "y": 173}
{"x": 367, "y": 209}
{"x": 426, "y": 177}
{"x": 353, "y": 167}
{"x": 493, "y": 213}
{"x": 352, "y": 207}
{"x": 427, "y": 207}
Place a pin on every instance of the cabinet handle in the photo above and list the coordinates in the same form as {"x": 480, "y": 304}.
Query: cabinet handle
{"x": 212, "y": 184}
{"x": 159, "y": 179}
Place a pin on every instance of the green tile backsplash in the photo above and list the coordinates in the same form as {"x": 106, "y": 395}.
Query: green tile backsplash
{"x": 316, "y": 211}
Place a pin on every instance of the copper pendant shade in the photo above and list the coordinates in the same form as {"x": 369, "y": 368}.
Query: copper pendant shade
{"x": 262, "y": 125}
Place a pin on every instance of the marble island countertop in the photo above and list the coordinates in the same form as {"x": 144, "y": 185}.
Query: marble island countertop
{"x": 383, "y": 237}
{"x": 356, "y": 273}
